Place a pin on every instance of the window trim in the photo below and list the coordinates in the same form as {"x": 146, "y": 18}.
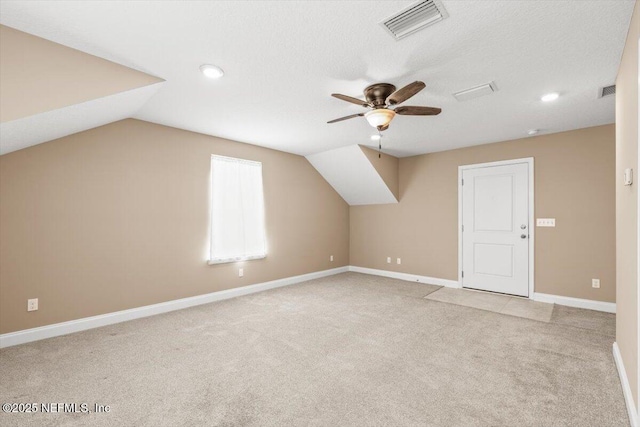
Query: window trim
{"x": 237, "y": 259}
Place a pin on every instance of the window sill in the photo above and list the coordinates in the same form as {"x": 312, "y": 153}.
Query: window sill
{"x": 229, "y": 261}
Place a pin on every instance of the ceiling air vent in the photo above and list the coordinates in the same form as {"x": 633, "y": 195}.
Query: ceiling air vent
{"x": 476, "y": 92}
{"x": 607, "y": 91}
{"x": 415, "y": 17}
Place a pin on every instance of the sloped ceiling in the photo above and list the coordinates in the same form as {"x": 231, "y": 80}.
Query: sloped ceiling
{"x": 352, "y": 175}
{"x": 48, "y": 91}
{"x": 284, "y": 59}
{"x": 54, "y": 124}
{"x": 388, "y": 168}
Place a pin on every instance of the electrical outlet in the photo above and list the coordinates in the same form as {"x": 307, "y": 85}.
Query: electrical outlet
{"x": 331, "y": 258}
{"x": 398, "y": 261}
{"x": 240, "y": 272}
{"x": 388, "y": 260}
{"x": 546, "y": 222}
{"x": 32, "y": 304}
{"x": 595, "y": 283}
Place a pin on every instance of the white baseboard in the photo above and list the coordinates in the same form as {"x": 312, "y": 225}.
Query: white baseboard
{"x": 64, "y": 328}
{"x": 406, "y": 276}
{"x": 57, "y": 329}
{"x": 608, "y": 307}
{"x": 626, "y": 389}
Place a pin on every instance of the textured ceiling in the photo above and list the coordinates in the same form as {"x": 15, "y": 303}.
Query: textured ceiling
{"x": 50, "y": 125}
{"x": 352, "y": 175}
{"x": 284, "y": 59}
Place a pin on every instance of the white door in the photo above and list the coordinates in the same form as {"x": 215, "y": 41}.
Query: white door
{"x": 495, "y": 233}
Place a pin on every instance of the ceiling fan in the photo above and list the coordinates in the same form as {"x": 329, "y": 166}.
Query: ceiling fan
{"x": 380, "y": 97}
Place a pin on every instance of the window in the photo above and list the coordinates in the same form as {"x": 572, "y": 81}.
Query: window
{"x": 237, "y": 210}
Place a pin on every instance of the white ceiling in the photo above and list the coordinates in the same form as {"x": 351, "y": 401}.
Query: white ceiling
{"x": 50, "y": 125}
{"x": 284, "y": 59}
{"x": 352, "y": 175}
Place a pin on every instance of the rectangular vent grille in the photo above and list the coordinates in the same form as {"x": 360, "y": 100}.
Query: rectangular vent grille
{"x": 607, "y": 91}
{"x": 415, "y": 17}
{"x": 476, "y": 92}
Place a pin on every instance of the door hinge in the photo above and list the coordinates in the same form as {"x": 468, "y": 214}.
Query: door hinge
{"x": 462, "y": 181}
{"x": 462, "y": 227}
{"x": 463, "y": 273}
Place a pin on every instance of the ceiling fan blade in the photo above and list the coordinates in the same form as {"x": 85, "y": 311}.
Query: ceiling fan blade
{"x": 405, "y": 93}
{"x": 418, "y": 111}
{"x": 350, "y": 99}
{"x": 346, "y": 118}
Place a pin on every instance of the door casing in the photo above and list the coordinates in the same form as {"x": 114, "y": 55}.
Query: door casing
{"x": 532, "y": 227}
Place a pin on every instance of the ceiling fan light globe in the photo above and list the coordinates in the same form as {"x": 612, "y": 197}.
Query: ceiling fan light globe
{"x": 380, "y": 117}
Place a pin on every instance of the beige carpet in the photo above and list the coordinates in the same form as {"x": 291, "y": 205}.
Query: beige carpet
{"x": 346, "y": 350}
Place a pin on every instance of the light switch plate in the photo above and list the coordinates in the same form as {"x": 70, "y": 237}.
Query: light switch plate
{"x": 546, "y": 222}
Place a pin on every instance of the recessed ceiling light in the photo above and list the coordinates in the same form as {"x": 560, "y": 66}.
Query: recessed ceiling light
{"x": 533, "y": 131}
{"x": 550, "y": 97}
{"x": 375, "y": 137}
{"x": 211, "y": 71}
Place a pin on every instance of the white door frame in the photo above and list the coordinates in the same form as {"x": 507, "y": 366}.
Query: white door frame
{"x": 532, "y": 224}
{"x": 636, "y": 180}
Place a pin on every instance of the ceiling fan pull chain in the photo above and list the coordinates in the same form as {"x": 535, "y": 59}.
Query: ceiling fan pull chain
{"x": 379, "y": 143}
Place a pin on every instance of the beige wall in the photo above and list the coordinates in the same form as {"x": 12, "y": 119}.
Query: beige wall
{"x": 386, "y": 166}
{"x": 627, "y": 204}
{"x": 37, "y": 75}
{"x": 117, "y": 217}
{"x": 574, "y": 173}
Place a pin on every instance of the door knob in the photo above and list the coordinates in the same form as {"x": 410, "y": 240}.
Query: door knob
{"x": 523, "y": 236}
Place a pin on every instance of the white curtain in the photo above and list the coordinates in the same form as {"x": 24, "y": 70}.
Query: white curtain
{"x": 237, "y": 210}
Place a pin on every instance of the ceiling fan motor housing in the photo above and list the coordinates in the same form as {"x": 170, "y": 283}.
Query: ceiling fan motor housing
{"x": 377, "y": 94}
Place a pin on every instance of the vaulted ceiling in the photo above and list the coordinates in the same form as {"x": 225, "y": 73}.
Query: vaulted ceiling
{"x": 283, "y": 60}
{"x": 49, "y": 91}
